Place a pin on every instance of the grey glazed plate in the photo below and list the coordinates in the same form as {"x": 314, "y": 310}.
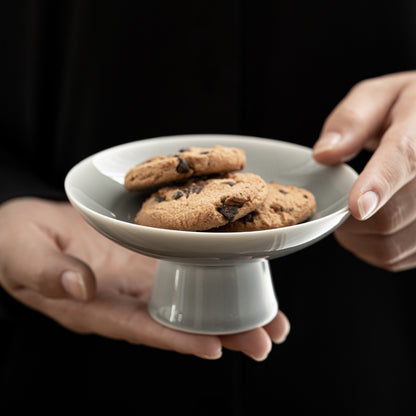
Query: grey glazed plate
{"x": 95, "y": 188}
{"x": 210, "y": 282}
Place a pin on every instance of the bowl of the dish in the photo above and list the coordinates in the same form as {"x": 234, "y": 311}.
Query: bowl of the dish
{"x": 95, "y": 188}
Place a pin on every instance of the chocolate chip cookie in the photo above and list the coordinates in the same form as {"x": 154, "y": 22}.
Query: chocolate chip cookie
{"x": 187, "y": 162}
{"x": 284, "y": 205}
{"x": 202, "y": 204}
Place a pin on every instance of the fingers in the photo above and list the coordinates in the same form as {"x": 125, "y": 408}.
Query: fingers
{"x": 391, "y": 167}
{"x": 77, "y": 279}
{"x": 391, "y": 252}
{"x": 38, "y": 271}
{"x": 127, "y": 318}
{"x": 257, "y": 343}
{"x": 38, "y": 263}
{"x": 279, "y": 328}
{"x": 122, "y": 318}
{"x": 397, "y": 214}
{"x": 386, "y": 239}
{"x": 381, "y": 109}
{"x": 357, "y": 119}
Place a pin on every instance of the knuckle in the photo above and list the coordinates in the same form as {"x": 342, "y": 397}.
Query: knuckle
{"x": 349, "y": 117}
{"x": 406, "y": 145}
{"x": 388, "y": 220}
{"x": 389, "y": 253}
{"x": 399, "y": 164}
{"x": 380, "y": 251}
{"x": 369, "y": 83}
{"x": 384, "y": 226}
{"x": 382, "y": 182}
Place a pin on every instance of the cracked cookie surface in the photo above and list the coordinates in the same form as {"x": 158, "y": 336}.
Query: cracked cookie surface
{"x": 187, "y": 162}
{"x": 202, "y": 204}
{"x": 283, "y": 206}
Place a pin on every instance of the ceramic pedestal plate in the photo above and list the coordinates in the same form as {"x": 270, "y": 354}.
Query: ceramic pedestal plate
{"x": 207, "y": 282}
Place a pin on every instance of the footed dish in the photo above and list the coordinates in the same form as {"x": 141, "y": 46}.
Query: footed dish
{"x": 210, "y": 282}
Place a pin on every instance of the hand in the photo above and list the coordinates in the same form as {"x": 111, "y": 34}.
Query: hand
{"x": 53, "y": 261}
{"x": 378, "y": 114}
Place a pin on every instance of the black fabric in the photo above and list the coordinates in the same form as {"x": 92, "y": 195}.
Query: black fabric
{"x": 80, "y": 76}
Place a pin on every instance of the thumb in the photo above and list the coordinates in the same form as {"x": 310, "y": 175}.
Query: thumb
{"x": 40, "y": 265}
{"x": 77, "y": 279}
{"x": 63, "y": 276}
{"x": 357, "y": 120}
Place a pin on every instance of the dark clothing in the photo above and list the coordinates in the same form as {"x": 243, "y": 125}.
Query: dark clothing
{"x": 81, "y": 76}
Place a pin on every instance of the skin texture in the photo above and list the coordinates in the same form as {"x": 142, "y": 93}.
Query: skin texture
{"x": 380, "y": 115}
{"x": 54, "y": 262}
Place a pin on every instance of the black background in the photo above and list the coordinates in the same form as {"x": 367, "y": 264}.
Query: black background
{"x": 80, "y": 76}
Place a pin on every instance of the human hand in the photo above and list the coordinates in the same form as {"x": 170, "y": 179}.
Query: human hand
{"x": 378, "y": 114}
{"x": 52, "y": 261}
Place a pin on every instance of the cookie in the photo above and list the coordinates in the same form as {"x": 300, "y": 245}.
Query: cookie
{"x": 188, "y": 162}
{"x": 202, "y": 204}
{"x": 284, "y": 205}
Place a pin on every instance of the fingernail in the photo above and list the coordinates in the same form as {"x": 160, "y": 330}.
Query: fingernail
{"x": 367, "y": 204}
{"x": 280, "y": 340}
{"x": 262, "y": 357}
{"x": 74, "y": 285}
{"x": 327, "y": 142}
{"x": 215, "y": 356}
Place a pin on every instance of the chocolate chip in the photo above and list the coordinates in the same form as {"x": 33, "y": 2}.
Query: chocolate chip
{"x": 248, "y": 218}
{"x": 194, "y": 188}
{"x": 228, "y": 211}
{"x": 236, "y": 199}
{"x": 184, "y": 149}
{"x": 197, "y": 189}
{"x": 159, "y": 199}
{"x": 231, "y": 183}
{"x": 282, "y": 191}
{"x": 206, "y": 152}
{"x": 282, "y": 209}
{"x": 305, "y": 196}
{"x": 290, "y": 209}
{"x": 183, "y": 166}
{"x": 177, "y": 195}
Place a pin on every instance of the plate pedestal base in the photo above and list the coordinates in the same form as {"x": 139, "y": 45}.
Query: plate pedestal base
{"x": 210, "y": 297}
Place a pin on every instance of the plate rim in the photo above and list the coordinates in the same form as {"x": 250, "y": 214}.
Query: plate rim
{"x": 205, "y": 234}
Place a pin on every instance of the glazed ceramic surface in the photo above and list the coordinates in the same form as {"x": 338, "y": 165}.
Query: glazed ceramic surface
{"x": 95, "y": 188}
{"x": 210, "y": 282}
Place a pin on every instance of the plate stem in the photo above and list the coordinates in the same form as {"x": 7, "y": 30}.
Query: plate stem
{"x": 213, "y": 297}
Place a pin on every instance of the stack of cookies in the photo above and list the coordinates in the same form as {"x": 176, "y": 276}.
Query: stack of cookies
{"x": 198, "y": 189}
